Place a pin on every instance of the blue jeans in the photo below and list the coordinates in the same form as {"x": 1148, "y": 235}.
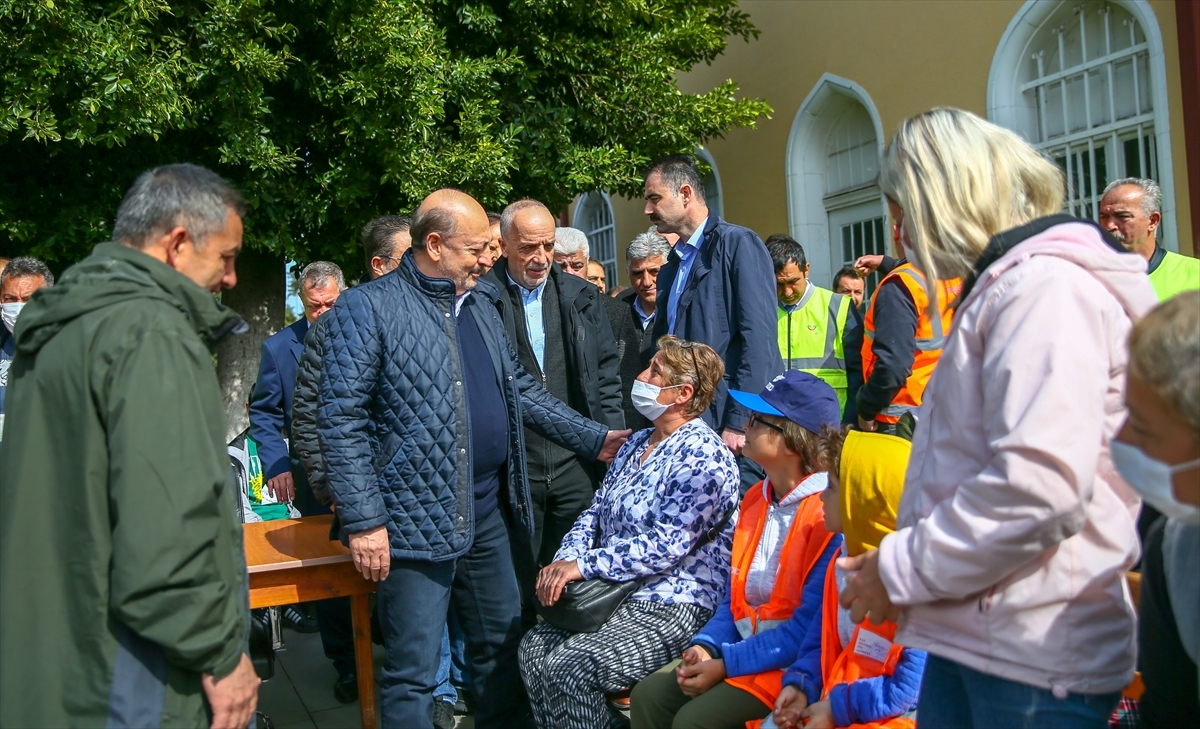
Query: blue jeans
{"x": 956, "y": 697}
{"x": 445, "y": 690}
{"x": 413, "y": 603}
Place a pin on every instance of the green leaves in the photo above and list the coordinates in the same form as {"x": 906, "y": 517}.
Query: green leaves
{"x": 327, "y": 113}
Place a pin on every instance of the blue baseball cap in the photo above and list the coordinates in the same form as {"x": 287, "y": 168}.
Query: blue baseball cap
{"x": 801, "y": 397}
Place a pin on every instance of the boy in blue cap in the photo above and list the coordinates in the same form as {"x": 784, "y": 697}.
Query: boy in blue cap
{"x": 733, "y": 671}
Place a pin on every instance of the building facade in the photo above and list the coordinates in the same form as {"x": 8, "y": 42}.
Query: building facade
{"x": 1097, "y": 85}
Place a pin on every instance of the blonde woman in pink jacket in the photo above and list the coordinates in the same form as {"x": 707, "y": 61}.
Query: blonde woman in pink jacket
{"x": 1015, "y": 532}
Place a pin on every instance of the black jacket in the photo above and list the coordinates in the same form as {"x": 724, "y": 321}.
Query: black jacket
{"x": 394, "y": 424}
{"x": 305, "y": 444}
{"x": 635, "y": 348}
{"x": 593, "y": 365}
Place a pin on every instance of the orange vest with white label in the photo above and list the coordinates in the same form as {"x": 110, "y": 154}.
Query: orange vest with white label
{"x": 802, "y": 547}
{"x": 871, "y": 652}
{"x": 931, "y": 335}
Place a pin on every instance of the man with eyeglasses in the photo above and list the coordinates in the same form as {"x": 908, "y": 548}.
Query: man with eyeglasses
{"x": 420, "y": 413}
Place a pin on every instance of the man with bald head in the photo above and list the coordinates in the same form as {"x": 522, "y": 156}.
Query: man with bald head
{"x": 563, "y": 338}
{"x": 419, "y": 413}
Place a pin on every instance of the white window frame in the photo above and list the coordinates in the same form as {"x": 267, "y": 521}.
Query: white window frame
{"x": 808, "y": 213}
{"x": 1009, "y": 105}
{"x": 582, "y": 208}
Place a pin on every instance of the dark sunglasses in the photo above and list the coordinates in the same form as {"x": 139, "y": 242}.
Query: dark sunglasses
{"x": 754, "y": 418}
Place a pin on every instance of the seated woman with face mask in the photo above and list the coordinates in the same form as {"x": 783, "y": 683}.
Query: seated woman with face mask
{"x": 1157, "y": 452}
{"x": 666, "y": 489}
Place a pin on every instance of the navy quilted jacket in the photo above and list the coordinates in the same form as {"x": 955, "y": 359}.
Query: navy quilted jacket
{"x": 393, "y": 420}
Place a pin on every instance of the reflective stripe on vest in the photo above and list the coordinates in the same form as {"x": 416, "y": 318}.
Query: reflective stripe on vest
{"x": 930, "y": 337}
{"x": 802, "y": 547}
{"x": 822, "y": 354}
{"x": 872, "y": 650}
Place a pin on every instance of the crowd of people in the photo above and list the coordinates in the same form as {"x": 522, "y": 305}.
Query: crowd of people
{"x": 722, "y": 497}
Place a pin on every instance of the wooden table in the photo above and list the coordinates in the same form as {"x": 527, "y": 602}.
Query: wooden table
{"x": 293, "y": 560}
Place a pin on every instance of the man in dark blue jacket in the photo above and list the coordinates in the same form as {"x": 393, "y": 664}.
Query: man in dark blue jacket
{"x": 421, "y": 419}
{"x": 718, "y": 287}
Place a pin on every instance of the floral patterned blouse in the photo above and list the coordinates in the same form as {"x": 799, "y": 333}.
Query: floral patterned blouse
{"x": 651, "y": 514}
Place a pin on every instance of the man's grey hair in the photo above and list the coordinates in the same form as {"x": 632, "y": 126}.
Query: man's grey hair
{"x": 26, "y": 266}
{"x": 646, "y": 245}
{"x": 567, "y": 241}
{"x": 316, "y": 275}
{"x": 176, "y": 195}
{"x": 1151, "y": 192}
{"x": 510, "y": 213}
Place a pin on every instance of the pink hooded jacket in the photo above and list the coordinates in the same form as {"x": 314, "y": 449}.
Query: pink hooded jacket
{"x": 1015, "y": 532}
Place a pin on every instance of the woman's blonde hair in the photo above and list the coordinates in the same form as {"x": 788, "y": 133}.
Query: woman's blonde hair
{"x": 1164, "y": 352}
{"x": 695, "y": 364}
{"x": 961, "y": 180}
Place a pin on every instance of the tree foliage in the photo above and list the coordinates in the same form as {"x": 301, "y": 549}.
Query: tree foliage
{"x": 328, "y": 112}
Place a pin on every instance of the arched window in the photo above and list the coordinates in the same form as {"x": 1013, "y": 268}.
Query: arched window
{"x": 712, "y": 184}
{"x": 1085, "y": 83}
{"x": 835, "y": 209}
{"x": 594, "y": 216}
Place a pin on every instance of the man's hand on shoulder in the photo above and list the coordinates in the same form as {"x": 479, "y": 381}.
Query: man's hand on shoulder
{"x": 612, "y": 443}
{"x": 371, "y": 554}
{"x": 234, "y": 697}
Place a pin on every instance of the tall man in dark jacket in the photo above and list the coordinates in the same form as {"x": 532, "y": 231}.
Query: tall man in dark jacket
{"x": 559, "y": 327}
{"x": 718, "y": 287}
{"x": 122, "y": 577}
{"x": 421, "y": 420}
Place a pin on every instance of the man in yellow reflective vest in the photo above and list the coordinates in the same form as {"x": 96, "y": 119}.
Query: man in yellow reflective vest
{"x": 1131, "y": 211}
{"x": 820, "y": 332}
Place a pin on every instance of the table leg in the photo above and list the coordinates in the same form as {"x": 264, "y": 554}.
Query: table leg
{"x": 360, "y": 610}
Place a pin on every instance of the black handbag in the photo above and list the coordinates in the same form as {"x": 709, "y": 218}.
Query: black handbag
{"x": 585, "y": 605}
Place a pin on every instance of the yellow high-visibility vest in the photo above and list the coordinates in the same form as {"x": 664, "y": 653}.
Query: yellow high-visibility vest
{"x": 810, "y": 337}
{"x": 1174, "y": 275}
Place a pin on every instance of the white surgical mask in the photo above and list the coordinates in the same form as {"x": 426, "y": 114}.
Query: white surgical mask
{"x": 1152, "y": 479}
{"x": 9, "y": 313}
{"x": 645, "y": 399}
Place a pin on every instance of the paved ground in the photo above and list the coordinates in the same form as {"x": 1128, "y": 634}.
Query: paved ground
{"x": 300, "y": 695}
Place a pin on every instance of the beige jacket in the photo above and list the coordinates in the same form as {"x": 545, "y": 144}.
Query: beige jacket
{"x": 1015, "y": 530}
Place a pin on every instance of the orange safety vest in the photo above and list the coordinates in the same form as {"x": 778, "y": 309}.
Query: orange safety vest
{"x": 871, "y": 652}
{"x": 802, "y": 547}
{"x": 931, "y": 334}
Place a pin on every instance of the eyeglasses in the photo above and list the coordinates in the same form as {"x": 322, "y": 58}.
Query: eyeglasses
{"x": 755, "y": 418}
{"x": 691, "y": 347}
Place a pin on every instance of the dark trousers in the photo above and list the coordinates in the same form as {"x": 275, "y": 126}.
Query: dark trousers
{"x": 333, "y": 616}
{"x": 1167, "y": 670}
{"x": 481, "y": 586}
{"x": 556, "y": 506}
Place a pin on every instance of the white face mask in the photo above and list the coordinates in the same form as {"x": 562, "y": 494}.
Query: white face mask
{"x": 9, "y": 313}
{"x": 645, "y": 399}
{"x": 1152, "y": 479}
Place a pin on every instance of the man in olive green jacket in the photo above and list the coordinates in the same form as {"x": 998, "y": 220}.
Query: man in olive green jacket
{"x": 122, "y": 577}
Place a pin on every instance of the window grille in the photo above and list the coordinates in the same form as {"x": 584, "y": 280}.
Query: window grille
{"x": 1088, "y": 80}
{"x": 864, "y": 238}
{"x": 595, "y": 217}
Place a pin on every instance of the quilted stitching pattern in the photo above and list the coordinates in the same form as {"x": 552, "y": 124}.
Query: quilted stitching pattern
{"x": 390, "y": 403}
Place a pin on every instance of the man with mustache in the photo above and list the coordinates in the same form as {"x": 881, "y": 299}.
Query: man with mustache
{"x": 1131, "y": 211}
{"x": 559, "y": 327}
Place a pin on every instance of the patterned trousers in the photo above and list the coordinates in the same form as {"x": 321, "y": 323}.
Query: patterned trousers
{"x": 567, "y": 675}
